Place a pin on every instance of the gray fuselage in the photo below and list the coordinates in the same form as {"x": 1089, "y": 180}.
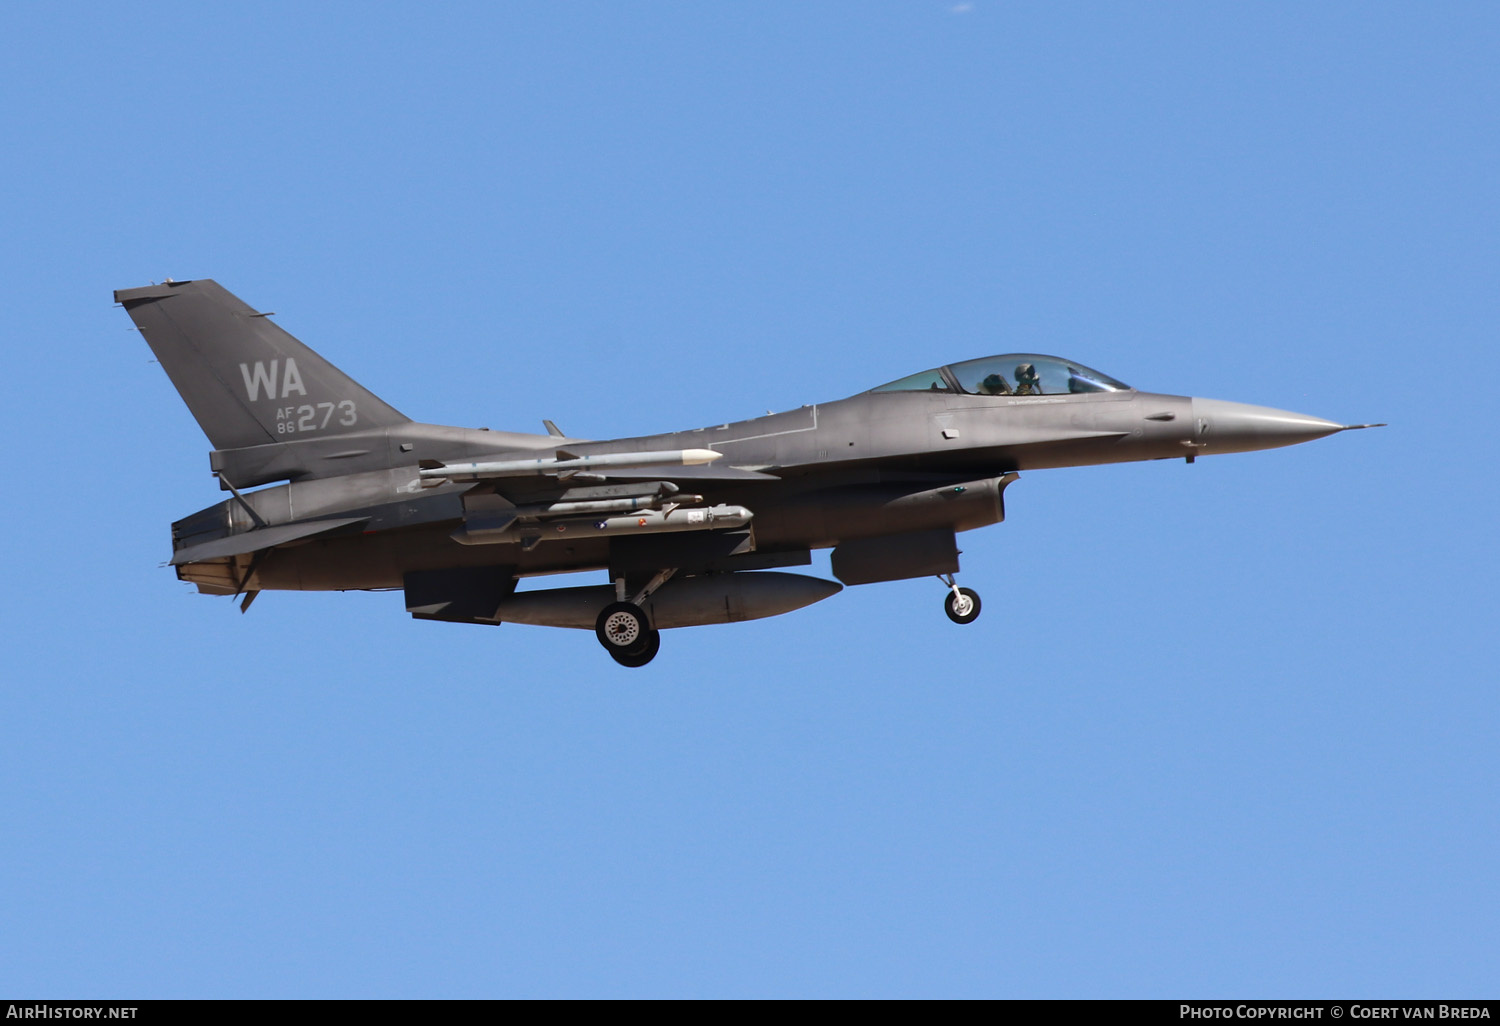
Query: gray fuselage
{"x": 872, "y": 465}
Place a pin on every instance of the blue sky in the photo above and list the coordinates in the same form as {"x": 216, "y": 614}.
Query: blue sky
{"x": 1222, "y": 730}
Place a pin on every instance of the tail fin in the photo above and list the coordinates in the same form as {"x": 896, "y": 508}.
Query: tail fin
{"x": 245, "y": 380}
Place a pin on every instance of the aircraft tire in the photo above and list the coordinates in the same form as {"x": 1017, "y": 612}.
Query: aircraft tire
{"x": 962, "y": 607}
{"x": 622, "y": 628}
{"x": 644, "y": 656}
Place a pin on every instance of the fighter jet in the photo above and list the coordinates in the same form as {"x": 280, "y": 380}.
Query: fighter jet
{"x": 693, "y": 527}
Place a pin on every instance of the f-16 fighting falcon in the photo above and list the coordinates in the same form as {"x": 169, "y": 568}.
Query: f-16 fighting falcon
{"x": 693, "y": 527}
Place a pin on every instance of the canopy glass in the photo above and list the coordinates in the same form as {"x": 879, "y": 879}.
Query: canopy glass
{"x": 1011, "y": 374}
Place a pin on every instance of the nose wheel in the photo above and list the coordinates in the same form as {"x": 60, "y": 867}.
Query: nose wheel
{"x": 962, "y": 604}
{"x": 626, "y": 634}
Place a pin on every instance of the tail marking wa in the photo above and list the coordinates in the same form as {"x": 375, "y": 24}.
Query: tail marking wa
{"x": 261, "y": 377}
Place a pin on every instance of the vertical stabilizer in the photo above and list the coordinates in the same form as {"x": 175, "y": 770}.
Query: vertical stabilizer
{"x": 246, "y": 380}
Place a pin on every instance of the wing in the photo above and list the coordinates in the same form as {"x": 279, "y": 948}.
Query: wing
{"x": 261, "y": 538}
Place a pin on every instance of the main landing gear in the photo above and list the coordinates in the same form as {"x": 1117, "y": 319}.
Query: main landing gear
{"x": 623, "y": 627}
{"x": 627, "y": 636}
{"x": 962, "y": 604}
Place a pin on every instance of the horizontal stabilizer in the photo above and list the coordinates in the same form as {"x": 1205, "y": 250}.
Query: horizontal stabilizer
{"x": 262, "y": 538}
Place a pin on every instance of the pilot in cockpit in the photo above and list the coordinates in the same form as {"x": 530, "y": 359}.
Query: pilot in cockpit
{"x": 1027, "y": 382}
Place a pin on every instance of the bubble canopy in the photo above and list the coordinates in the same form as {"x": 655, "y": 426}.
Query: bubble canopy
{"x": 1010, "y": 374}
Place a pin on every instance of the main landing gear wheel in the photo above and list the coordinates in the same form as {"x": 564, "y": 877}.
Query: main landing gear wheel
{"x": 626, "y": 635}
{"x": 962, "y": 605}
{"x": 641, "y": 658}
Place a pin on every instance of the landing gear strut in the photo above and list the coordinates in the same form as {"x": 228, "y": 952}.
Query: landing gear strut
{"x": 962, "y": 604}
{"x": 623, "y": 627}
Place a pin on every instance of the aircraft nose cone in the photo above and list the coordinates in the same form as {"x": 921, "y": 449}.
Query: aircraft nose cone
{"x": 1239, "y": 427}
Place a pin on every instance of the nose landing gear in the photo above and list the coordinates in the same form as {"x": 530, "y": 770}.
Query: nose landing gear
{"x": 962, "y": 604}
